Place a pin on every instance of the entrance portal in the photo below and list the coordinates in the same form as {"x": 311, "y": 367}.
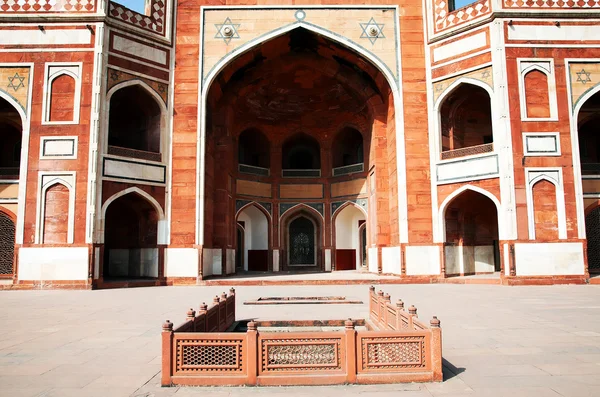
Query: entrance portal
{"x": 301, "y": 249}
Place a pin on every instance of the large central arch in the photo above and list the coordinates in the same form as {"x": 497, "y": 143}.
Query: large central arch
{"x": 298, "y": 82}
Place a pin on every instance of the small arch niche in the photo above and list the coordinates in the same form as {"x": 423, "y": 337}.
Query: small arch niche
{"x": 466, "y": 122}
{"x": 301, "y": 156}
{"x": 62, "y": 98}
{"x": 134, "y": 126}
{"x": 536, "y": 98}
{"x": 347, "y": 152}
{"x": 254, "y": 152}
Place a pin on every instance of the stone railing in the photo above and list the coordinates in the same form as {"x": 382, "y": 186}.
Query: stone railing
{"x": 468, "y": 151}
{"x": 378, "y": 353}
{"x": 134, "y": 153}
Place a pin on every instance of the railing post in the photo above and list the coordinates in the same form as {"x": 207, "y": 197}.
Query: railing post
{"x": 191, "y": 316}
{"x": 252, "y": 352}
{"x": 167, "y": 353}
{"x": 399, "y": 310}
{"x": 371, "y": 306}
{"x": 232, "y": 295}
{"x": 217, "y": 319}
{"x": 412, "y": 313}
{"x": 202, "y": 314}
{"x": 436, "y": 349}
{"x": 386, "y": 299}
{"x": 379, "y": 307}
{"x": 350, "y": 351}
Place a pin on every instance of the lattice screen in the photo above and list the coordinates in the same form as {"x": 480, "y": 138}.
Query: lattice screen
{"x": 592, "y": 230}
{"x": 7, "y": 244}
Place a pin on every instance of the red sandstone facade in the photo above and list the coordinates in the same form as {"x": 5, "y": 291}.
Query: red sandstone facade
{"x": 207, "y": 139}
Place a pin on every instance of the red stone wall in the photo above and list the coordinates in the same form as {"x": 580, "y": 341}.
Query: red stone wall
{"x": 536, "y": 94}
{"x": 544, "y": 206}
{"x": 62, "y": 98}
{"x": 56, "y": 215}
{"x": 561, "y": 126}
{"x": 81, "y": 130}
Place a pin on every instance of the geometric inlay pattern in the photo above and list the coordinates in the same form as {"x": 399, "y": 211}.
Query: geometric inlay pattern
{"x": 71, "y": 6}
{"x": 7, "y": 244}
{"x": 372, "y": 31}
{"x": 227, "y": 30}
{"x": 445, "y": 19}
{"x": 209, "y": 356}
{"x": 484, "y": 75}
{"x": 552, "y": 3}
{"x": 154, "y": 23}
{"x": 583, "y": 77}
{"x": 115, "y": 77}
{"x": 15, "y": 82}
{"x": 393, "y": 352}
{"x": 301, "y": 354}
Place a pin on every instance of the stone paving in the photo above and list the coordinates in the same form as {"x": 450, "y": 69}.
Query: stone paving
{"x": 497, "y": 341}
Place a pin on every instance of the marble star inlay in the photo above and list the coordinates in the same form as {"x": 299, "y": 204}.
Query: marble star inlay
{"x": 485, "y": 74}
{"x": 583, "y": 77}
{"x": 227, "y": 30}
{"x": 372, "y": 31}
{"x": 16, "y": 82}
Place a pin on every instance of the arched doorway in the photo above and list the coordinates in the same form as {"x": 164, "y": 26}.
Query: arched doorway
{"x": 306, "y": 94}
{"x": 471, "y": 228}
{"x": 588, "y": 126}
{"x": 302, "y": 242}
{"x": 7, "y": 244}
{"x": 253, "y": 237}
{"x": 130, "y": 239}
{"x": 10, "y": 141}
{"x": 350, "y": 234}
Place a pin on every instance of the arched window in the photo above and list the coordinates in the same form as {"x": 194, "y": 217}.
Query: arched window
{"x": 347, "y": 152}
{"x": 466, "y": 120}
{"x": 10, "y": 141}
{"x": 134, "y": 126}
{"x": 301, "y": 156}
{"x": 254, "y": 152}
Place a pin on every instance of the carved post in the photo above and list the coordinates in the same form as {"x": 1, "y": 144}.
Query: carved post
{"x": 399, "y": 310}
{"x": 371, "y": 296}
{"x": 380, "y": 307}
{"x": 201, "y": 326}
{"x": 167, "y": 353}
{"x": 350, "y": 351}
{"x": 252, "y": 353}
{"x": 386, "y": 300}
{"x": 412, "y": 312}
{"x": 191, "y": 316}
{"x": 436, "y": 349}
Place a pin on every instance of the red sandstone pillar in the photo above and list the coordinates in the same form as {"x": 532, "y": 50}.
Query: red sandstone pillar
{"x": 436, "y": 349}
{"x": 350, "y": 351}
{"x": 252, "y": 352}
{"x": 167, "y": 353}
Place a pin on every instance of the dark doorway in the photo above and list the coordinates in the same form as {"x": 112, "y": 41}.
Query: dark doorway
{"x": 302, "y": 242}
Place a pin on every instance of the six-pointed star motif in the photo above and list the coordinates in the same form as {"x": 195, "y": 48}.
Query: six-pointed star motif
{"x": 372, "y": 31}
{"x": 583, "y": 77}
{"x": 16, "y": 82}
{"x": 227, "y": 30}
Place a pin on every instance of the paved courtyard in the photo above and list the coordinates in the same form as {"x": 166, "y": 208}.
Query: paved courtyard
{"x": 497, "y": 340}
